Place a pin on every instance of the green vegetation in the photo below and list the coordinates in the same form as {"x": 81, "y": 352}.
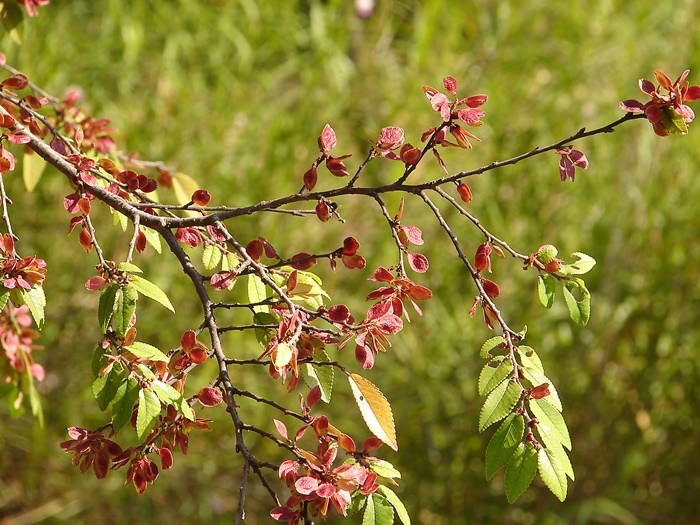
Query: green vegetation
{"x": 234, "y": 93}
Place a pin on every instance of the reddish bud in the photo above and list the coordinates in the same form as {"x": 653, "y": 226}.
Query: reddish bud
{"x": 490, "y": 288}
{"x": 346, "y": 443}
{"x": 410, "y": 155}
{"x": 314, "y": 397}
{"x": 323, "y": 211}
{"x": 141, "y": 242}
{"x": 464, "y": 192}
{"x": 311, "y": 178}
{"x": 350, "y": 246}
{"x": 16, "y": 81}
{"x": 338, "y": 312}
{"x": 166, "y": 458}
{"x": 336, "y": 166}
{"x": 209, "y": 396}
{"x": 450, "y": 84}
{"x": 95, "y": 283}
{"x": 418, "y": 262}
{"x": 201, "y": 197}
{"x": 540, "y": 391}
{"x": 305, "y": 261}
{"x": 371, "y": 443}
{"x": 254, "y": 249}
{"x": 327, "y": 140}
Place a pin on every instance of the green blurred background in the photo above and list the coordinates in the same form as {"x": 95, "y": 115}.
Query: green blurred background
{"x": 235, "y": 93}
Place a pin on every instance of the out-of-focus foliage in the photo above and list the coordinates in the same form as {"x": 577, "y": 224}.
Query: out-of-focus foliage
{"x": 235, "y": 93}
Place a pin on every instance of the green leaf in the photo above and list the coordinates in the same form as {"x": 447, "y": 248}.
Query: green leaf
{"x": 264, "y": 335}
{"x": 521, "y": 471}
{"x": 257, "y": 293}
{"x": 105, "y": 308}
{"x": 493, "y": 373}
{"x": 146, "y": 351}
{"x": 489, "y": 345}
{"x": 121, "y": 220}
{"x": 35, "y": 299}
{"x": 229, "y": 261}
{"x": 385, "y": 469}
{"x": 98, "y": 360}
{"x": 552, "y": 473}
{"x": 378, "y": 511}
{"x": 12, "y": 20}
{"x": 4, "y": 296}
{"x": 321, "y": 376}
{"x": 32, "y": 169}
{"x": 559, "y": 452}
{"x": 551, "y": 426}
{"x": 375, "y": 409}
{"x": 151, "y": 291}
{"x": 30, "y": 389}
{"x": 170, "y": 396}
{"x": 398, "y": 505}
{"x": 583, "y": 265}
{"x": 546, "y": 289}
{"x": 105, "y": 388}
{"x": 152, "y": 238}
{"x": 499, "y": 403}
{"x": 529, "y": 359}
{"x": 357, "y": 503}
{"x": 124, "y": 307}
{"x": 211, "y": 256}
{"x": 579, "y": 310}
{"x": 123, "y": 403}
{"x": 148, "y": 411}
{"x": 129, "y": 267}
{"x": 503, "y": 444}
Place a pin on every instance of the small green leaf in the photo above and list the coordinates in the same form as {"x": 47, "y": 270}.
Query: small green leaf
{"x": 146, "y": 351}
{"x": 503, "y": 444}
{"x": 385, "y": 469}
{"x": 211, "y": 256}
{"x": 32, "y": 169}
{"x": 489, "y": 345}
{"x": 152, "y": 238}
{"x": 583, "y": 265}
{"x": 105, "y": 388}
{"x": 521, "y": 471}
{"x": 35, "y": 299}
{"x": 357, "y": 503}
{"x": 264, "y": 335}
{"x": 121, "y": 220}
{"x": 30, "y": 390}
{"x": 257, "y": 293}
{"x": 124, "y": 307}
{"x": 123, "y": 403}
{"x": 499, "y": 403}
{"x": 105, "y": 308}
{"x": 170, "y": 396}
{"x": 229, "y": 261}
{"x": 98, "y": 360}
{"x": 552, "y": 473}
{"x": 559, "y": 452}
{"x": 151, "y": 291}
{"x": 129, "y": 267}
{"x": 4, "y": 296}
{"x": 546, "y": 289}
{"x": 551, "y": 426}
{"x": 579, "y": 310}
{"x": 398, "y": 505}
{"x": 493, "y": 373}
{"x": 530, "y": 359}
{"x": 378, "y": 511}
{"x": 321, "y": 376}
{"x": 148, "y": 411}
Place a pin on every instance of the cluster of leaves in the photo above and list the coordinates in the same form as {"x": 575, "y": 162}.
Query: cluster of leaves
{"x": 292, "y": 315}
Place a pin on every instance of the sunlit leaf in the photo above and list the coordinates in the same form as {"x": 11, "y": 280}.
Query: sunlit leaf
{"x": 559, "y": 452}
{"x": 151, "y": 291}
{"x": 211, "y": 256}
{"x": 521, "y": 471}
{"x": 123, "y": 403}
{"x": 146, "y": 351}
{"x": 378, "y": 511}
{"x": 129, "y": 267}
{"x": 583, "y": 265}
{"x": 385, "y": 469}
{"x": 579, "y": 310}
{"x": 105, "y": 388}
{"x": 184, "y": 187}
{"x": 320, "y": 376}
{"x": 499, "y": 403}
{"x": 552, "y": 473}
{"x": 493, "y": 373}
{"x": 124, "y": 307}
{"x": 32, "y": 169}
{"x": 148, "y": 411}
{"x": 398, "y": 505}
{"x": 257, "y": 293}
{"x": 489, "y": 345}
{"x": 170, "y": 396}
{"x": 503, "y": 444}
{"x": 35, "y": 299}
{"x": 375, "y": 409}
{"x": 152, "y": 237}
{"x": 551, "y": 426}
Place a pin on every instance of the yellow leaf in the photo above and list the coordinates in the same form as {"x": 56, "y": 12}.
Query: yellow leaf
{"x": 375, "y": 409}
{"x": 32, "y": 168}
{"x": 184, "y": 187}
{"x": 282, "y": 355}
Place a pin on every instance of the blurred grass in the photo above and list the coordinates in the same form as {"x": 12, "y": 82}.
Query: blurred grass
{"x": 235, "y": 94}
